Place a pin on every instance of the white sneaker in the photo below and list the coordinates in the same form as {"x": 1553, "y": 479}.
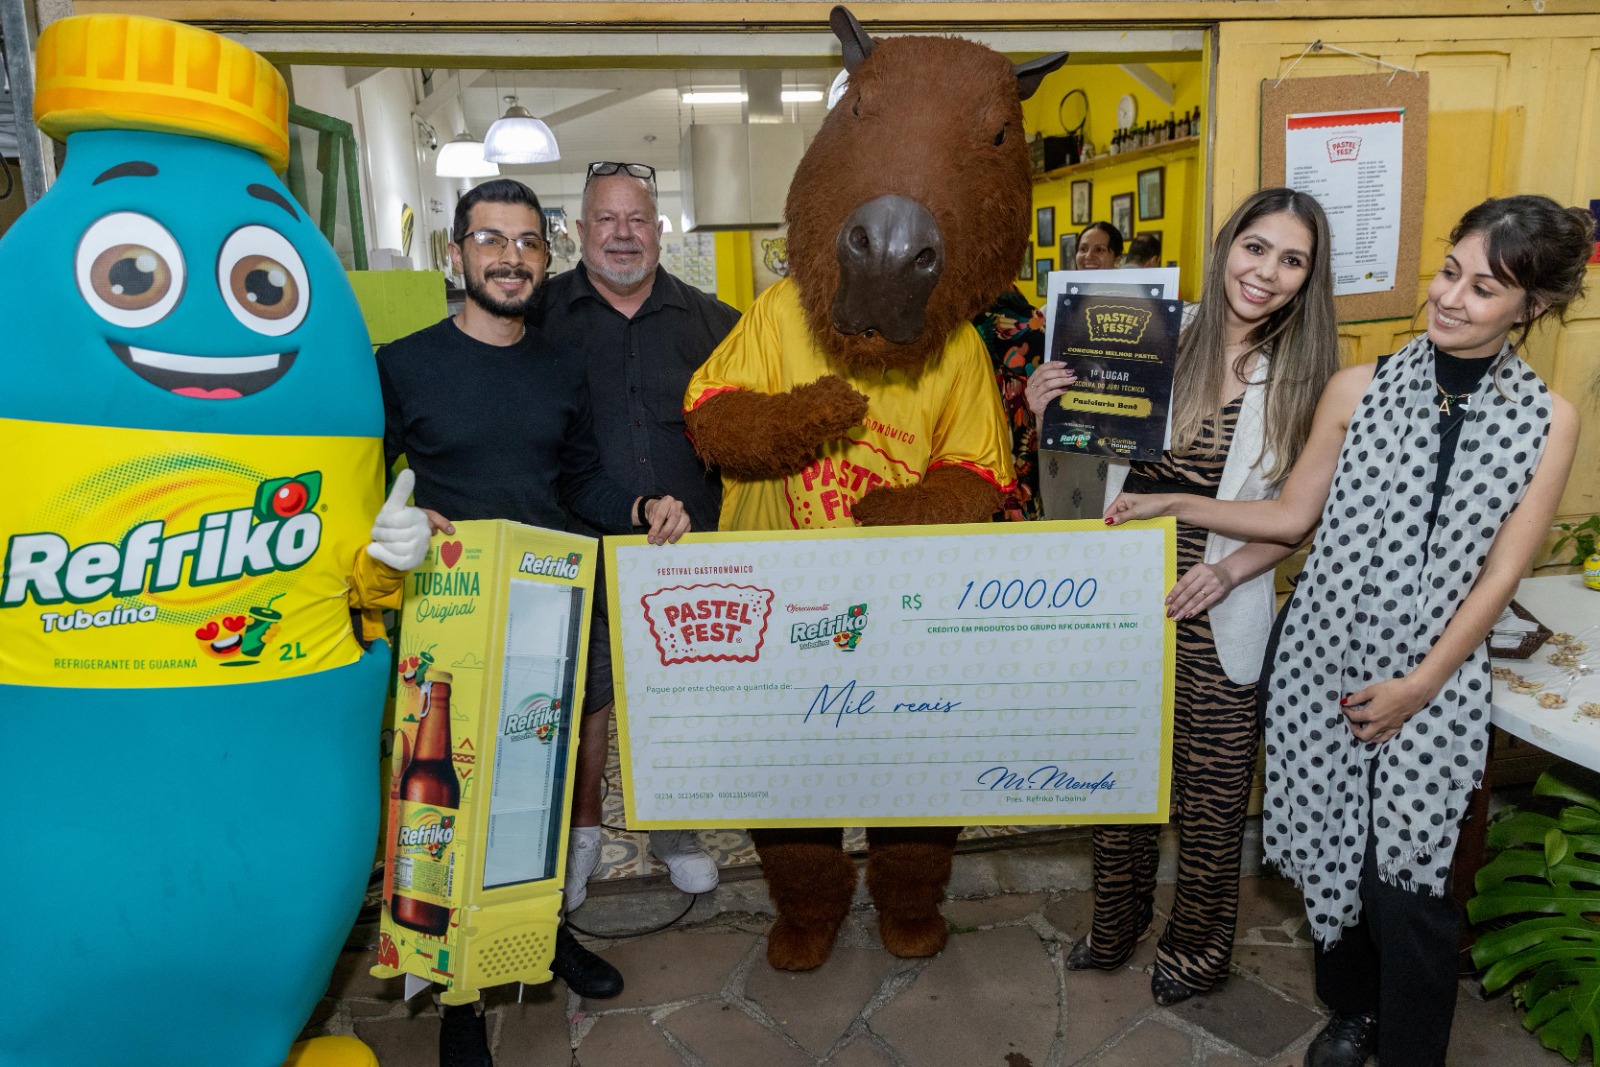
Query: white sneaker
{"x": 583, "y": 856}
{"x": 692, "y": 870}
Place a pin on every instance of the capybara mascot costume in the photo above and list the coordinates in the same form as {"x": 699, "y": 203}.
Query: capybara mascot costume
{"x": 856, "y": 391}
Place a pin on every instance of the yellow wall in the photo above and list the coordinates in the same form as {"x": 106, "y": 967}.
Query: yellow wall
{"x": 1182, "y": 237}
{"x": 1514, "y": 108}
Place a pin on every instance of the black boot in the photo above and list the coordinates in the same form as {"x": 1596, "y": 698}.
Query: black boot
{"x": 586, "y": 974}
{"x": 1347, "y": 1041}
{"x": 463, "y": 1038}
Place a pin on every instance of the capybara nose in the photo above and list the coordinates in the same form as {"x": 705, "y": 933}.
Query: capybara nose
{"x": 890, "y": 258}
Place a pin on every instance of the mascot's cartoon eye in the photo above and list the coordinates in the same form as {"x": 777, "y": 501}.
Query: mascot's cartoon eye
{"x": 129, "y": 269}
{"x": 263, "y": 280}
{"x": 1000, "y": 138}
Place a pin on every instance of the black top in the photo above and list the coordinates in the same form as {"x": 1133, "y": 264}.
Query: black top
{"x": 639, "y": 370}
{"x": 496, "y": 432}
{"x": 1455, "y": 376}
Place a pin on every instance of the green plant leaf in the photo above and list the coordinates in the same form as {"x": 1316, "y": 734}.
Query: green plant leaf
{"x": 1519, "y": 828}
{"x": 1555, "y": 846}
{"x": 1550, "y": 784}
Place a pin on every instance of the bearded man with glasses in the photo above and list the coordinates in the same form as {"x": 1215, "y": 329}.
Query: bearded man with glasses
{"x": 496, "y": 423}
{"x": 640, "y": 333}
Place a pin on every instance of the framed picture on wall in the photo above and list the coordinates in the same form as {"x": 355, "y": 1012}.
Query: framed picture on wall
{"x": 1082, "y": 201}
{"x": 1122, "y": 213}
{"x": 1069, "y": 251}
{"x": 1047, "y": 226}
{"x": 1152, "y": 193}
{"x": 1025, "y": 272}
{"x": 1041, "y": 276}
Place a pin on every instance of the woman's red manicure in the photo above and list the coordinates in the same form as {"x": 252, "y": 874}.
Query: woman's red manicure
{"x": 1343, "y": 701}
{"x": 1110, "y": 521}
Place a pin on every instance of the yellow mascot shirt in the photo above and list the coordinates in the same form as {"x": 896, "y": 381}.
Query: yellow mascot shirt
{"x": 949, "y": 415}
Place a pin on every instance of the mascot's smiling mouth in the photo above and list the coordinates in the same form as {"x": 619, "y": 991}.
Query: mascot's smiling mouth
{"x": 205, "y": 377}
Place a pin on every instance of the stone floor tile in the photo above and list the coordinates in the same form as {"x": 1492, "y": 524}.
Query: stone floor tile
{"x": 993, "y": 910}
{"x": 405, "y": 1041}
{"x": 1228, "y": 1059}
{"x": 1071, "y": 914}
{"x": 724, "y": 1036}
{"x": 1099, "y": 1004}
{"x": 1249, "y": 1017}
{"x": 623, "y": 1041}
{"x": 352, "y": 978}
{"x": 672, "y": 966}
{"x": 1490, "y": 1032}
{"x": 987, "y": 996}
{"x": 860, "y": 1053}
{"x": 1150, "y": 1044}
{"x": 1287, "y": 970}
{"x": 533, "y": 1033}
{"x": 817, "y": 1007}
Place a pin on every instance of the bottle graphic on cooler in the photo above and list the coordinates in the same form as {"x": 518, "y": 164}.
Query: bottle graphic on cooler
{"x": 430, "y": 793}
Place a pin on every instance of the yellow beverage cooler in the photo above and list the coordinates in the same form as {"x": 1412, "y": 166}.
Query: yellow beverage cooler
{"x": 493, "y": 639}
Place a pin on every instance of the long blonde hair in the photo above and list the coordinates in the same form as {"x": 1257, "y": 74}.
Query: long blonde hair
{"x": 1301, "y": 339}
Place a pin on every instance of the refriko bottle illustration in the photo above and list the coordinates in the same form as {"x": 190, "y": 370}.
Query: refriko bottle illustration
{"x": 430, "y": 796}
{"x": 192, "y": 420}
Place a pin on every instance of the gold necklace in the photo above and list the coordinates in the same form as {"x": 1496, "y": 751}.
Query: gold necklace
{"x": 1445, "y": 398}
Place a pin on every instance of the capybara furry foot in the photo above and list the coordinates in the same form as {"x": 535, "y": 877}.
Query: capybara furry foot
{"x": 913, "y": 938}
{"x": 792, "y": 947}
{"x": 811, "y": 885}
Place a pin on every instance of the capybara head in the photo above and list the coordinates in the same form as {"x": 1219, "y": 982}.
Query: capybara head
{"x": 909, "y": 212}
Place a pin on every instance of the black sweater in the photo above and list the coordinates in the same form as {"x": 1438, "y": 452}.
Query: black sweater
{"x": 497, "y": 432}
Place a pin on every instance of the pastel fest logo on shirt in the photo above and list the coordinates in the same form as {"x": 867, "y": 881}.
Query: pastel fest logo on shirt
{"x": 824, "y": 493}
{"x": 708, "y": 623}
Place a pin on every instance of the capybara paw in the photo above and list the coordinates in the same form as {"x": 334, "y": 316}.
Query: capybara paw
{"x": 913, "y": 938}
{"x": 791, "y": 947}
{"x": 834, "y": 405}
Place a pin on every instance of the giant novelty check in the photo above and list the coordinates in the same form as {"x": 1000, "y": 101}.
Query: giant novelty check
{"x": 1006, "y": 673}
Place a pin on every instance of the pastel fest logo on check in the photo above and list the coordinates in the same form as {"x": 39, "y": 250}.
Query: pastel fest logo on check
{"x": 1116, "y": 324}
{"x": 708, "y": 623}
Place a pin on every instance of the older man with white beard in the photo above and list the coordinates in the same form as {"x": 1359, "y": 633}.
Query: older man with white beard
{"x": 642, "y": 333}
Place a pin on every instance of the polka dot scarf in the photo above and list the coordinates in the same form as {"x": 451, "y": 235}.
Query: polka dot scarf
{"x": 1378, "y": 589}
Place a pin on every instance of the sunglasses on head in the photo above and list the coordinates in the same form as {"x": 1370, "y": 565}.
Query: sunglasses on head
{"x": 606, "y": 168}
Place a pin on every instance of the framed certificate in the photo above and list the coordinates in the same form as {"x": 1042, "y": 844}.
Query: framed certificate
{"x": 938, "y": 675}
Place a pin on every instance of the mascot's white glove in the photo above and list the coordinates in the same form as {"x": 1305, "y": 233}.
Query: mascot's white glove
{"x": 400, "y": 532}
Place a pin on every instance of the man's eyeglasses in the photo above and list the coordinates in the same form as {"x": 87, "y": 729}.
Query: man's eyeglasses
{"x": 498, "y": 241}
{"x": 634, "y": 170}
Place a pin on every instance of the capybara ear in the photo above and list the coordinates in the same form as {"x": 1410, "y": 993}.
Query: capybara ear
{"x": 1031, "y": 73}
{"x": 853, "y": 39}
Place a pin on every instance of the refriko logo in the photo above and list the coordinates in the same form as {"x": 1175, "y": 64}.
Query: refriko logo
{"x": 537, "y": 717}
{"x": 843, "y": 630}
{"x": 277, "y": 532}
{"x": 697, "y": 623}
{"x": 556, "y": 566}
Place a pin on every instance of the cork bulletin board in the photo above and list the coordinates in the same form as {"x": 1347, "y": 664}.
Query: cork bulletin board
{"x": 1362, "y": 92}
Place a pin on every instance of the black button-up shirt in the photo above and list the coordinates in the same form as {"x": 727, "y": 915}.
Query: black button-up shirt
{"x": 638, "y": 371}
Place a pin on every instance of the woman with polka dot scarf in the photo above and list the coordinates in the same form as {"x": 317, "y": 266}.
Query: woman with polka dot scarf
{"x": 1431, "y": 478}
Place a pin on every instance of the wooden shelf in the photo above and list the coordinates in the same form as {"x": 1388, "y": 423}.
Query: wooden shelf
{"x": 1180, "y": 146}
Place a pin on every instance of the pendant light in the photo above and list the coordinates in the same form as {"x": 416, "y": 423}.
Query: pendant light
{"x": 463, "y": 158}
{"x": 518, "y": 137}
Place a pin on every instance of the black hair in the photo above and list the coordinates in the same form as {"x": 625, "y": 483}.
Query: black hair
{"x": 1113, "y": 235}
{"x": 1145, "y": 246}
{"x": 1536, "y": 245}
{"x": 498, "y": 191}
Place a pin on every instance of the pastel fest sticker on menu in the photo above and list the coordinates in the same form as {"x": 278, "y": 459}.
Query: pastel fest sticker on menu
{"x": 708, "y": 623}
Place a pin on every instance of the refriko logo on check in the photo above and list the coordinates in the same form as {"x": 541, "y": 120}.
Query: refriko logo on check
{"x": 141, "y": 558}
{"x": 699, "y": 623}
{"x": 842, "y": 631}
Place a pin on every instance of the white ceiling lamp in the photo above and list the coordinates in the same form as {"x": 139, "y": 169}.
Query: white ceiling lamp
{"x": 714, "y": 96}
{"x": 802, "y": 96}
{"x": 518, "y": 137}
{"x": 463, "y": 158}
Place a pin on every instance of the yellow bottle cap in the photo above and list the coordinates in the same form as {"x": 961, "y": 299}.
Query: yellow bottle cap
{"x": 129, "y": 72}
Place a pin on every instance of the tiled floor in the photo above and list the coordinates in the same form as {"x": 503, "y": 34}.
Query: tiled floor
{"x": 701, "y": 994}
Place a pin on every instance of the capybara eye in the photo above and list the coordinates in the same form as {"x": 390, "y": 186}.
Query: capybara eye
{"x": 1000, "y": 138}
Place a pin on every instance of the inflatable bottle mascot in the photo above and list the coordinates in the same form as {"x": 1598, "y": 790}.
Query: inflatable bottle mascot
{"x": 191, "y": 419}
